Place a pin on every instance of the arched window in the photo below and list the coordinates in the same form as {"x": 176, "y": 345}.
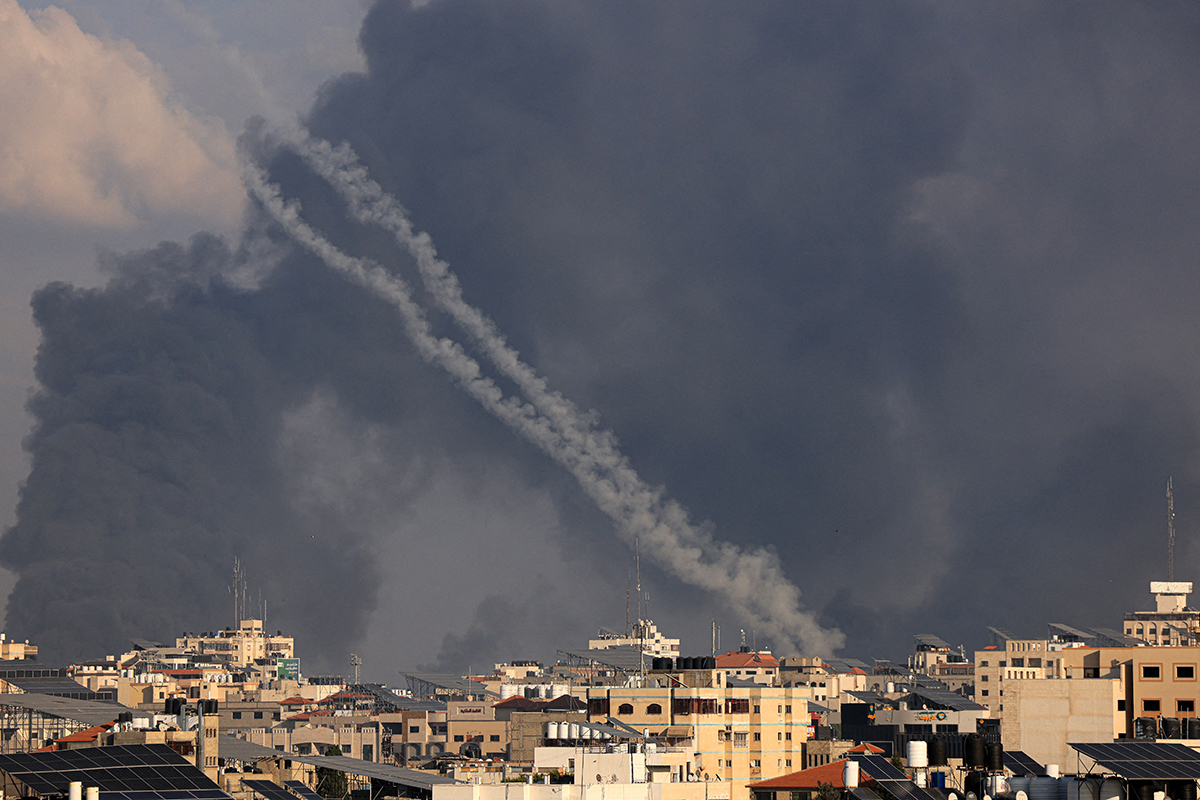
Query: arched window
{"x": 654, "y": 708}
{"x": 1140, "y": 629}
{"x": 625, "y": 708}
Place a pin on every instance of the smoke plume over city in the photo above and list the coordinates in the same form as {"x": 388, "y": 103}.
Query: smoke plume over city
{"x": 856, "y": 321}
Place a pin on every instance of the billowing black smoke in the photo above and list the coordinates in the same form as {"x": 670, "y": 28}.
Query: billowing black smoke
{"x": 900, "y": 291}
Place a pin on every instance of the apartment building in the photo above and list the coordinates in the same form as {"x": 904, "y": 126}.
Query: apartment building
{"x": 242, "y": 646}
{"x": 1171, "y": 622}
{"x": 737, "y": 734}
{"x": 643, "y": 634}
{"x": 747, "y": 665}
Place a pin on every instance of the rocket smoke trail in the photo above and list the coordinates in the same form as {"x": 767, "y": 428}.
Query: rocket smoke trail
{"x": 751, "y": 581}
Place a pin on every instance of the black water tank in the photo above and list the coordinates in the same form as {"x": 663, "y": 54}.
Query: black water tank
{"x": 975, "y": 783}
{"x": 1141, "y": 790}
{"x": 710, "y": 662}
{"x": 1193, "y": 728}
{"x": 1171, "y": 728}
{"x": 1145, "y": 728}
{"x": 973, "y": 752}
{"x": 995, "y": 757}
{"x": 937, "y": 752}
{"x": 1181, "y": 790}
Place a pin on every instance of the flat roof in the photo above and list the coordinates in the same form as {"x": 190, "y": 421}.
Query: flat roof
{"x": 89, "y": 712}
{"x": 242, "y": 750}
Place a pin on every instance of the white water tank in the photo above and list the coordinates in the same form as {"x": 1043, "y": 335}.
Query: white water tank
{"x": 997, "y": 784}
{"x": 573, "y": 730}
{"x": 507, "y": 690}
{"x": 551, "y": 730}
{"x": 75, "y": 791}
{"x": 918, "y": 755}
{"x": 1052, "y": 771}
{"x": 920, "y": 779}
{"x": 850, "y": 774}
{"x": 93, "y": 793}
{"x": 889, "y": 687}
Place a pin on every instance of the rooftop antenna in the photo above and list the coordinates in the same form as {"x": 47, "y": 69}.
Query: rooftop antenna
{"x": 1170, "y": 530}
{"x": 355, "y": 662}
{"x": 628, "y": 580}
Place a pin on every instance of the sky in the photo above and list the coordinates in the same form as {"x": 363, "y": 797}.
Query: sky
{"x": 862, "y": 321}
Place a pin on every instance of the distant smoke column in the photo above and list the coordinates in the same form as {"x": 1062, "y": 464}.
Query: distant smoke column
{"x": 752, "y": 582}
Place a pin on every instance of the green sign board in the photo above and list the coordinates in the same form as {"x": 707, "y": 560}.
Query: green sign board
{"x": 289, "y": 669}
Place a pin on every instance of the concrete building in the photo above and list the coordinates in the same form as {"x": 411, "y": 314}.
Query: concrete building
{"x": 1041, "y": 716}
{"x": 747, "y": 665}
{"x": 17, "y": 651}
{"x": 643, "y": 634}
{"x": 240, "y": 647}
{"x": 1171, "y": 622}
{"x": 738, "y": 734}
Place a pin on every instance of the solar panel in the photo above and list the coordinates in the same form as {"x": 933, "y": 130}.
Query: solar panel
{"x": 884, "y": 773}
{"x": 1148, "y": 761}
{"x": 1018, "y": 763}
{"x": 269, "y": 790}
{"x": 302, "y": 790}
{"x": 126, "y": 772}
{"x": 878, "y": 767}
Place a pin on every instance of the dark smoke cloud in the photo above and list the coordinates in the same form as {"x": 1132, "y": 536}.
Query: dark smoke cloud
{"x": 903, "y": 291}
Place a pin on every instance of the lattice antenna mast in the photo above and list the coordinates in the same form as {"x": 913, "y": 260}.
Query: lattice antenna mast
{"x": 1170, "y": 530}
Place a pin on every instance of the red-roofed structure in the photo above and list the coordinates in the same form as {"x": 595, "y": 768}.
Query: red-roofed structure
{"x": 809, "y": 780}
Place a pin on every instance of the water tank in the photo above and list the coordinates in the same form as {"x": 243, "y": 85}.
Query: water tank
{"x": 1112, "y": 789}
{"x": 1193, "y": 728}
{"x": 1052, "y": 771}
{"x": 1171, "y": 728}
{"x": 1043, "y": 789}
{"x": 551, "y": 730}
{"x": 918, "y": 754}
{"x": 507, "y": 690}
{"x": 850, "y": 774}
{"x": 937, "y": 752}
{"x": 710, "y": 662}
{"x": 889, "y": 687}
{"x": 1145, "y": 728}
{"x": 92, "y": 793}
{"x": 1021, "y": 795}
{"x": 1073, "y": 790}
{"x": 573, "y": 730}
{"x": 994, "y": 759}
{"x": 75, "y": 791}
{"x": 1018, "y": 784}
{"x": 973, "y": 783}
{"x": 920, "y": 779}
{"x": 973, "y": 751}
{"x": 1181, "y": 790}
{"x": 1141, "y": 790}
{"x": 997, "y": 784}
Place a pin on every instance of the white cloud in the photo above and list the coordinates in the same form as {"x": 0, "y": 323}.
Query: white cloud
{"x": 89, "y": 135}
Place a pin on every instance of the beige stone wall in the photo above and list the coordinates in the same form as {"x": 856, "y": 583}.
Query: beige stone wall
{"x": 1041, "y": 716}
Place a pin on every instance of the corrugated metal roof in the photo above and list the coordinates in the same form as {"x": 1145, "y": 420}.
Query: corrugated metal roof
{"x": 89, "y": 712}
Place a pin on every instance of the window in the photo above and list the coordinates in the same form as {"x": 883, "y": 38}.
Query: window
{"x": 1035, "y": 662}
{"x": 458, "y": 737}
{"x": 495, "y": 737}
{"x": 1003, "y": 664}
{"x": 739, "y": 740}
{"x": 1151, "y": 672}
{"x": 1151, "y": 706}
{"x": 787, "y": 709}
{"x": 788, "y": 736}
{"x": 728, "y": 763}
{"x": 368, "y": 752}
{"x": 758, "y": 709}
{"x": 737, "y": 705}
{"x": 755, "y": 763}
{"x": 757, "y": 736}
{"x": 779, "y": 736}
{"x": 1017, "y": 662}
{"x": 237, "y": 715}
{"x": 787, "y": 762}
{"x": 983, "y": 678}
{"x": 654, "y": 708}
{"x": 1185, "y": 672}
{"x": 414, "y": 728}
{"x": 597, "y": 706}
{"x": 625, "y": 708}
{"x": 1185, "y": 706}
{"x": 258, "y": 714}
{"x": 984, "y": 693}
{"x": 779, "y": 709}
{"x": 1120, "y": 705}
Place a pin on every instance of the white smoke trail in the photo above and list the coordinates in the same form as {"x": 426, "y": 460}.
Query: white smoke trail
{"x": 752, "y": 582}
